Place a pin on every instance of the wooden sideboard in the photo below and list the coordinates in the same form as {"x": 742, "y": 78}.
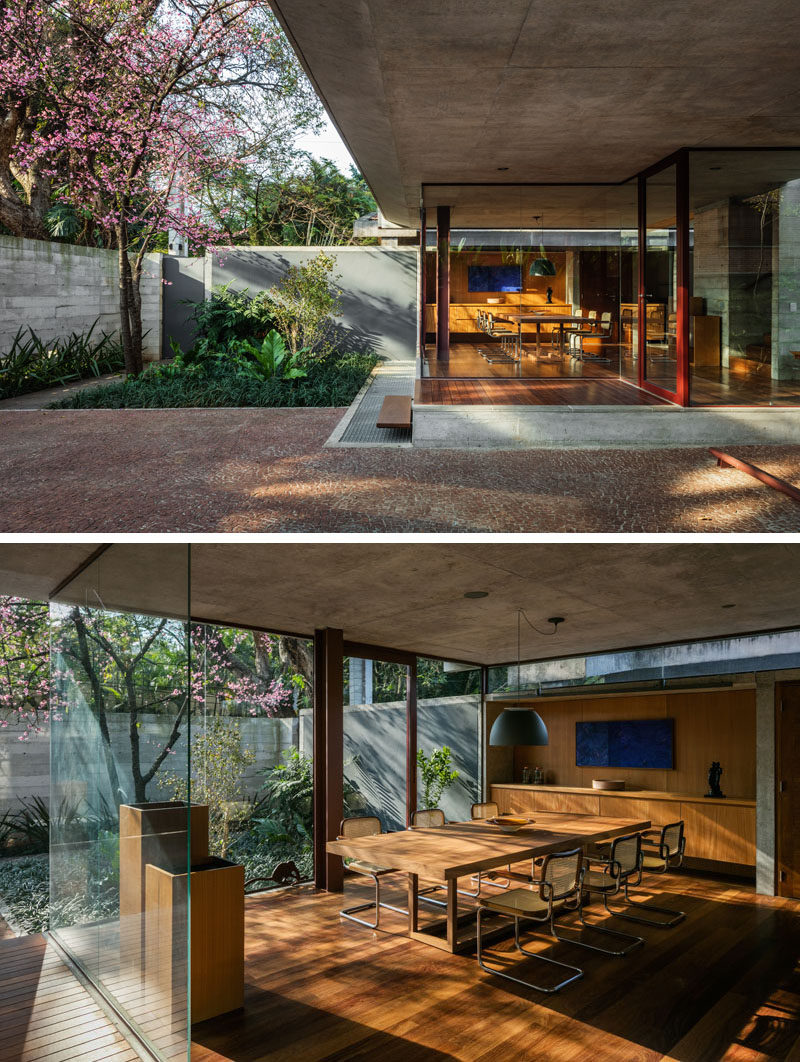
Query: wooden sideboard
{"x": 717, "y": 831}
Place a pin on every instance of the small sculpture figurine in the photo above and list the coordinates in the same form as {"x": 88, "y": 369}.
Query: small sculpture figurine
{"x": 714, "y": 775}
{"x": 549, "y": 294}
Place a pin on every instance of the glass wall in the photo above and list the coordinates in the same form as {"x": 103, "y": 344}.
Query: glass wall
{"x": 660, "y": 280}
{"x": 120, "y": 721}
{"x": 745, "y": 252}
{"x": 374, "y": 751}
{"x": 564, "y": 257}
{"x": 448, "y": 737}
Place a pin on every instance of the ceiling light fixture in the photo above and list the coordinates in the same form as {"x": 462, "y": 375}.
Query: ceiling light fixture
{"x": 522, "y": 726}
{"x": 542, "y": 266}
{"x": 474, "y": 594}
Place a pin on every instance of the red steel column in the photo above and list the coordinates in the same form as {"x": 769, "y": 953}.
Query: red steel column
{"x": 682, "y": 252}
{"x": 443, "y": 284}
{"x": 642, "y": 302}
{"x": 423, "y": 239}
{"x": 328, "y": 755}
{"x": 411, "y": 740}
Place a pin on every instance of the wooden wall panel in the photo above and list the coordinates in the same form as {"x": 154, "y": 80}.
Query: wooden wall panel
{"x": 715, "y": 725}
{"x": 533, "y": 287}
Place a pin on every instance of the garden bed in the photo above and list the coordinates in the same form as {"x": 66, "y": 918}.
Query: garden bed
{"x": 332, "y": 381}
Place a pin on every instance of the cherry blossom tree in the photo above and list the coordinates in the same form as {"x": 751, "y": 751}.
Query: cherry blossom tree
{"x": 135, "y": 105}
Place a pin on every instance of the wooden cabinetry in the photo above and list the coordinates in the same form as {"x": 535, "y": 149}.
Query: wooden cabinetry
{"x": 707, "y": 333}
{"x": 463, "y": 316}
{"x": 717, "y": 831}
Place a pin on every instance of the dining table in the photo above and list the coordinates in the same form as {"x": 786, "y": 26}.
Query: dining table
{"x": 440, "y": 855}
{"x": 538, "y": 319}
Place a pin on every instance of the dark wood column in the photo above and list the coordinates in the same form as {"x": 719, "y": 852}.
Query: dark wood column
{"x": 328, "y": 755}
{"x": 423, "y": 239}
{"x": 443, "y": 283}
{"x": 411, "y": 741}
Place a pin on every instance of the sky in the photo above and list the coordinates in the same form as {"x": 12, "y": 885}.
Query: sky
{"x": 327, "y": 145}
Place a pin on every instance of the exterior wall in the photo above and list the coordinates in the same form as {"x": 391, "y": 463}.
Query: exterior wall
{"x": 379, "y": 290}
{"x": 786, "y": 285}
{"x": 375, "y": 752}
{"x": 25, "y": 765}
{"x": 57, "y": 289}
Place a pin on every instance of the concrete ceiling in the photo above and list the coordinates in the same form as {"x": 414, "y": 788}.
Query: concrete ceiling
{"x": 552, "y": 92}
{"x": 411, "y": 596}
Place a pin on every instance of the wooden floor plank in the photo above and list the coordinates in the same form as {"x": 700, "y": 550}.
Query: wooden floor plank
{"x": 318, "y": 988}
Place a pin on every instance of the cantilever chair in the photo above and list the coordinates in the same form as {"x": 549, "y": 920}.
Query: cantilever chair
{"x": 366, "y": 826}
{"x": 429, "y": 818}
{"x": 508, "y": 341}
{"x": 559, "y": 888}
{"x": 486, "y": 810}
{"x": 670, "y": 848}
{"x": 623, "y": 862}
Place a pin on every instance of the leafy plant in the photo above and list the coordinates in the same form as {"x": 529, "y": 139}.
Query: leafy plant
{"x": 333, "y": 380}
{"x": 304, "y": 304}
{"x": 32, "y": 363}
{"x": 436, "y": 773}
{"x": 271, "y": 360}
{"x": 220, "y": 764}
{"x": 287, "y": 795}
{"x": 229, "y": 315}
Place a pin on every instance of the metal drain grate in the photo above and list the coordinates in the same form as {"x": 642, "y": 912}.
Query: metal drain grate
{"x": 394, "y": 379}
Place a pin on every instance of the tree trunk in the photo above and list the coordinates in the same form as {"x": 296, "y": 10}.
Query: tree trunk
{"x": 130, "y": 307}
{"x": 97, "y": 705}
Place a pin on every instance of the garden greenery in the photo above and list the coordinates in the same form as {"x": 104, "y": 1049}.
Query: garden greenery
{"x": 31, "y": 363}
{"x": 304, "y": 303}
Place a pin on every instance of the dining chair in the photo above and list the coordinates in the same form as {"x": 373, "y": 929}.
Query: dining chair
{"x": 487, "y": 809}
{"x": 622, "y": 863}
{"x": 508, "y": 341}
{"x": 366, "y": 826}
{"x": 429, "y": 818}
{"x": 558, "y": 889}
{"x": 669, "y": 847}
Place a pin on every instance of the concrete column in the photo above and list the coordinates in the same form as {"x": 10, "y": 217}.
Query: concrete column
{"x": 360, "y": 685}
{"x": 765, "y": 782}
{"x": 785, "y": 330}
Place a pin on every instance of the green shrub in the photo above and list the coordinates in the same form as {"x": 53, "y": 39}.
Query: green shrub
{"x": 32, "y": 364}
{"x": 333, "y": 381}
{"x": 231, "y": 315}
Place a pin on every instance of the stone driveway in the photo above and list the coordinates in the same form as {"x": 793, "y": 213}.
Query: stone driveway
{"x": 109, "y": 471}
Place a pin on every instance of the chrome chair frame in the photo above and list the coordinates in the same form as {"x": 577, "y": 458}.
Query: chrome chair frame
{"x": 551, "y": 898}
{"x": 666, "y": 856}
{"x": 506, "y": 883}
{"x": 376, "y": 874}
{"x": 617, "y": 876}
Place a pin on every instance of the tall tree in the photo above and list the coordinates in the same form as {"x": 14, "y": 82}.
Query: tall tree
{"x": 134, "y": 105}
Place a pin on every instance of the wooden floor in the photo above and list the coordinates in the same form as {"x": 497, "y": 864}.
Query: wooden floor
{"x": 709, "y": 387}
{"x": 555, "y": 392}
{"x": 46, "y": 1015}
{"x": 724, "y": 985}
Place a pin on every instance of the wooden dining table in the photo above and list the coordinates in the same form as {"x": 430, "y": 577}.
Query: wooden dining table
{"x": 443, "y": 854}
{"x": 538, "y": 319}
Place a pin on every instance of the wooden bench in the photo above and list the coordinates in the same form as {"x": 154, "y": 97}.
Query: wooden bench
{"x": 395, "y": 412}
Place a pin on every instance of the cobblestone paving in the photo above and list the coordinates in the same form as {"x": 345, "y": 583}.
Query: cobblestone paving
{"x": 267, "y": 470}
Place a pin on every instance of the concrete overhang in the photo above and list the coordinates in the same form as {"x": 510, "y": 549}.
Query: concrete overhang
{"x": 411, "y": 596}
{"x": 463, "y": 91}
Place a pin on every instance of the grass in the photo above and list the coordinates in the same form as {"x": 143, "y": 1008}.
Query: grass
{"x": 333, "y": 381}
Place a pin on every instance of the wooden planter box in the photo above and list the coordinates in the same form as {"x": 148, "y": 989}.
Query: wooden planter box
{"x": 152, "y": 834}
{"x": 217, "y": 938}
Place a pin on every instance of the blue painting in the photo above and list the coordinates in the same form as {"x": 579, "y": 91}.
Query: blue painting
{"x": 494, "y": 278}
{"x": 625, "y": 743}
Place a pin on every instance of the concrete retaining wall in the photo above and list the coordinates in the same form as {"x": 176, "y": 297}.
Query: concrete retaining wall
{"x": 378, "y": 284}
{"x": 606, "y": 427}
{"x": 57, "y": 289}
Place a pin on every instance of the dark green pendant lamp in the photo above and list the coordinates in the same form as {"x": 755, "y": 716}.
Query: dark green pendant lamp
{"x": 542, "y": 266}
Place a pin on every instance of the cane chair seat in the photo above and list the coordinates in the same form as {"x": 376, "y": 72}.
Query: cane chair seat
{"x": 650, "y": 862}
{"x": 596, "y": 881}
{"x": 517, "y": 903}
{"x": 358, "y": 866}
